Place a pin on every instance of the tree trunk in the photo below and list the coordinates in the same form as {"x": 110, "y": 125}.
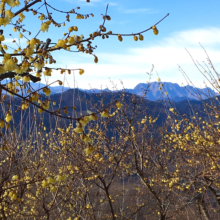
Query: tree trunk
{"x": 202, "y": 208}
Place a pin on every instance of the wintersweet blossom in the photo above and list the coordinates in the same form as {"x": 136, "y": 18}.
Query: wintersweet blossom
{"x": 2, "y": 124}
{"x": 26, "y": 78}
{"x": 47, "y": 91}
{"x": 15, "y": 177}
{"x": 53, "y": 188}
{"x": 78, "y": 129}
{"x": 105, "y": 113}
{"x": 45, "y": 184}
{"x": 44, "y": 27}
{"x": 93, "y": 117}
{"x": 81, "y": 71}
{"x": 47, "y": 72}
{"x": 61, "y": 43}
{"x": 9, "y": 14}
{"x": 71, "y": 40}
{"x": 8, "y": 117}
{"x": 155, "y": 31}
{"x": 85, "y": 120}
{"x": 119, "y": 105}
{"x": 22, "y": 17}
{"x": 34, "y": 97}
{"x": 2, "y": 38}
{"x": 89, "y": 150}
{"x": 10, "y": 65}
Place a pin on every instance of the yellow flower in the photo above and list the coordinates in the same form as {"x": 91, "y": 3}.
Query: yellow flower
{"x": 2, "y": 38}
{"x": 84, "y": 121}
{"x": 33, "y": 41}
{"x": 61, "y": 178}
{"x": 2, "y": 124}
{"x": 8, "y": 117}
{"x": 34, "y": 97}
{"x": 155, "y": 30}
{"x": 10, "y": 65}
{"x": 47, "y": 72}
{"x": 10, "y": 85}
{"x": 61, "y": 43}
{"x": 7, "y": 56}
{"x": 9, "y": 14}
{"x": 46, "y": 105}
{"x": 87, "y": 139}
{"x": 12, "y": 3}
{"x": 51, "y": 180}
{"x": 89, "y": 150}
{"x": 93, "y": 117}
{"x": 141, "y": 37}
{"x": 135, "y": 38}
{"x": 45, "y": 184}
{"x": 41, "y": 17}
{"x": 70, "y": 29}
{"x": 44, "y": 27}
{"x": 5, "y": 21}
{"x": 78, "y": 129}
{"x": 81, "y": 37}
{"x": 17, "y": 83}
{"x": 96, "y": 59}
{"x": 5, "y": 47}
{"x": 26, "y": 78}
{"x": 29, "y": 51}
{"x": 1, "y": 21}
{"x": 120, "y": 37}
{"x": 105, "y": 113}
{"x": 71, "y": 40}
{"x": 15, "y": 177}
{"x": 119, "y": 105}
{"x": 81, "y": 71}
{"x": 38, "y": 65}
{"x": 17, "y": 77}
{"x": 16, "y": 3}
{"x": 75, "y": 28}
{"x": 13, "y": 196}
{"x": 98, "y": 155}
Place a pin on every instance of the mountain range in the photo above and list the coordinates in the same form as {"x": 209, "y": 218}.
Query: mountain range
{"x": 176, "y": 93}
{"x": 83, "y": 101}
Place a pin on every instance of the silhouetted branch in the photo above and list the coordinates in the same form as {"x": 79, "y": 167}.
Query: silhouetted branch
{"x": 13, "y": 74}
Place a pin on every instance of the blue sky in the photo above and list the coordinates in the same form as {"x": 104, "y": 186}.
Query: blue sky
{"x": 189, "y": 23}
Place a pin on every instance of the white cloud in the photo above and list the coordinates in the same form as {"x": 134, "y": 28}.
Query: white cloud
{"x": 91, "y": 1}
{"x": 113, "y": 4}
{"x": 83, "y": 2}
{"x": 131, "y": 65}
{"x": 140, "y": 10}
{"x": 9, "y": 40}
{"x": 209, "y": 36}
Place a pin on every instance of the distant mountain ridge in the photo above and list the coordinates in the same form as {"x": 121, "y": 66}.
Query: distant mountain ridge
{"x": 176, "y": 93}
